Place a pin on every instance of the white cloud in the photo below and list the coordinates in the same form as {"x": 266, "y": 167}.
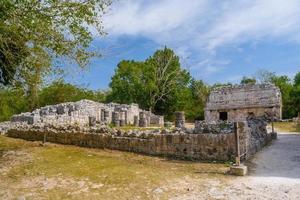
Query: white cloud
{"x": 204, "y": 26}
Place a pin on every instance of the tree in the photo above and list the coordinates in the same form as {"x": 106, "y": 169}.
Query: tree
{"x": 286, "y": 88}
{"x": 164, "y": 77}
{"x": 12, "y": 101}
{"x": 59, "y": 92}
{"x": 157, "y": 84}
{"x": 247, "y": 80}
{"x": 264, "y": 76}
{"x": 128, "y": 83}
{"x": 295, "y": 95}
{"x": 200, "y": 92}
{"x": 33, "y": 34}
{"x": 297, "y": 79}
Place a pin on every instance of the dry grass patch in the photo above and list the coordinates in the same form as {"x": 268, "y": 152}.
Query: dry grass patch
{"x": 287, "y": 126}
{"x": 69, "y": 172}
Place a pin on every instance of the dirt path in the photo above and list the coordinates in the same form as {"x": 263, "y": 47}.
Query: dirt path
{"x": 274, "y": 174}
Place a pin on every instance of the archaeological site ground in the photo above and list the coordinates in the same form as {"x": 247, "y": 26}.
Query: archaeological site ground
{"x": 149, "y": 100}
{"x": 93, "y": 150}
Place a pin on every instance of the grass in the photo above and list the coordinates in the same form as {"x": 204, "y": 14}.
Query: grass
{"x": 69, "y": 172}
{"x": 287, "y": 126}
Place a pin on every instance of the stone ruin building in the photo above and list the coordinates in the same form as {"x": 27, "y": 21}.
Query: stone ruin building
{"x": 238, "y": 102}
{"x": 85, "y": 123}
{"x": 89, "y": 113}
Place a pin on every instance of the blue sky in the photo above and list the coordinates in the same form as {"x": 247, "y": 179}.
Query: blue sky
{"x": 216, "y": 40}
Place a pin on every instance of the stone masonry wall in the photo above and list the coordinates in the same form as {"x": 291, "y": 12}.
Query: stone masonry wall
{"x": 242, "y": 101}
{"x": 186, "y": 146}
{"x": 178, "y": 143}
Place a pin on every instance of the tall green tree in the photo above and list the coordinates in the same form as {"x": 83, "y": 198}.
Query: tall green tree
{"x": 128, "y": 83}
{"x": 286, "y": 87}
{"x": 164, "y": 77}
{"x": 295, "y": 94}
{"x": 200, "y": 92}
{"x": 157, "y": 84}
{"x": 34, "y": 33}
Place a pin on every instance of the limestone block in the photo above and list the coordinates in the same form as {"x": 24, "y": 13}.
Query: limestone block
{"x": 240, "y": 170}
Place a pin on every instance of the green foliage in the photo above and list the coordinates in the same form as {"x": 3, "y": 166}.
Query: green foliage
{"x": 43, "y": 30}
{"x": 199, "y": 91}
{"x": 295, "y": 95}
{"x": 247, "y": 80}
{"x": 158, "y": 84}
{"x": 59, "y": 92}
{"x": 289, "y": 91}
{"x": 12, "y": 101}
{"x": 297, "y": 79}
{"x": 286, "y": 87}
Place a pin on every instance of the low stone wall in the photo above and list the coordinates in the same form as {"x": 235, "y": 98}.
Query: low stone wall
{"x": 186, "y": 146}
{"x": 206, "y": 142}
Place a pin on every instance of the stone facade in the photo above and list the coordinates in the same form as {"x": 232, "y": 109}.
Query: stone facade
{"x": 82, "y": 112}
{"x": 237, "y": 103}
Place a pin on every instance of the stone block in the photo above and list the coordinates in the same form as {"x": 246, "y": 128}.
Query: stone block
{"x": 238, "y": 170}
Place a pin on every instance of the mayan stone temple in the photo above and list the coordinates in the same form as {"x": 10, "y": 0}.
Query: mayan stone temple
{"x": 234, "y": 115}
{"x": 237, "y": 103}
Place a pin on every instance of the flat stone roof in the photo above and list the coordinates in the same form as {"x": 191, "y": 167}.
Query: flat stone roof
{"x": 244, "y": 96}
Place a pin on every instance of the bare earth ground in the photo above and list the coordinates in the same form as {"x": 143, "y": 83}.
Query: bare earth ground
{"x": 31, "y": 171}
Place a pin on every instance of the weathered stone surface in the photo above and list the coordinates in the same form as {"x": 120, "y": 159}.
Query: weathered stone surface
{"x": 179, "y": 143}
{"x": 242, "y": 101}
{"x": 179, "y": 119}
{"x": 202, "y": 127}
{"x": 240, "y": 170}
{"x": 80, "y": 112}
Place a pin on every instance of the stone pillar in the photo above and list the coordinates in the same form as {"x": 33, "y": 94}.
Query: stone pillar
{"x": 136, "y": 120}
{"x": 92, "y": 121}
{"x": 116, "y": 118}
{"x": 179, "y": 119}
{"x": 122, "y": 118}
{"x": 102, "y": 115}
{"x": 143, "y": 119}
{"x": 106, "y": 115}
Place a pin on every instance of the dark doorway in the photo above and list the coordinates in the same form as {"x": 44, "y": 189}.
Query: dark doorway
{"x": 223, "y": 116}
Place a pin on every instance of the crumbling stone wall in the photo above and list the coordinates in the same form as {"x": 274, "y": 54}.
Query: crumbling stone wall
{"x": 171, "y": 144}
{"x": 81, "y": 112}
{"x": 242, "y": 101}
{"x": 206, "y": 142}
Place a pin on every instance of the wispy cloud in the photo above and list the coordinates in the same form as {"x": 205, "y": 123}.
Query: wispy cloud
{"x": 199, "y": 28}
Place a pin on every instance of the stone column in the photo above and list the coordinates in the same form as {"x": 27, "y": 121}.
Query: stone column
{"x": 116, "y": 118}
{"x": 106, "y": 115}
{"x": 122, "y": 118}
{"x": 136, "y": 120}
{"x": 143, "y": 119}
{"x": 102, "y": 115}
{"x": 179, "y": 119}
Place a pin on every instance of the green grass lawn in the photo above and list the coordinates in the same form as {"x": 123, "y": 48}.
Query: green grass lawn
{"x": 287, "y": 126}
{"x": 67, "y": 172}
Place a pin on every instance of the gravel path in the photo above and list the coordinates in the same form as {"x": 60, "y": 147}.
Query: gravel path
{"x": 274, "y": 174}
